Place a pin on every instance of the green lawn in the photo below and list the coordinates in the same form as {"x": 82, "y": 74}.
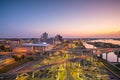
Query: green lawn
{"x": 62, "y": 75}
{"x": 118, "y": 65}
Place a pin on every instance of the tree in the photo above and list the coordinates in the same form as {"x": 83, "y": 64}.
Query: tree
{"x": 15, "y": 57}
{"x": 118, "y": 55}
{"x": 22, "y": 57}
{"x": 2, "y": 47}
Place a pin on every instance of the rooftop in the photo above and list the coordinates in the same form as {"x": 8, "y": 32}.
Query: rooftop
{"x": 36, "y": 44}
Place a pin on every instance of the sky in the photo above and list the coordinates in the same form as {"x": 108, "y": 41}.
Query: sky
{"x": 69, "y": 18}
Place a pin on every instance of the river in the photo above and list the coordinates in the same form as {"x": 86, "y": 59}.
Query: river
{"x": 106, "y": 41}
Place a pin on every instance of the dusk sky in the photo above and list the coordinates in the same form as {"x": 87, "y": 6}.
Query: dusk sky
{"x": 69, "y": 18}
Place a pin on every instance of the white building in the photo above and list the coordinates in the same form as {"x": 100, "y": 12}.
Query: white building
{"x": 38, "y": 47}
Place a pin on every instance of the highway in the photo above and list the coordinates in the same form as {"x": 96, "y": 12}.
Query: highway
{"x": 69, "y": 59}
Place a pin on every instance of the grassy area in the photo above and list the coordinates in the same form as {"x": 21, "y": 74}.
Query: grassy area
{"x": 118, "y": 65}
{"x": 62, "y": 75}
{"x": 111, "y": 67}
{"x": 12, "y": 66}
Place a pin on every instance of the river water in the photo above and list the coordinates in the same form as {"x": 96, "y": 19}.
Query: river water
{"x": 106, "y": 41}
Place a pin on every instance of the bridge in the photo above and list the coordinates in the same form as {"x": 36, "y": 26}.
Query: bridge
{"x": 89, "y": 51}
{"x": 97, "y": 51}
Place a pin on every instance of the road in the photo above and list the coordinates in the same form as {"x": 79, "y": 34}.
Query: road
{"x": 28, "y": 67}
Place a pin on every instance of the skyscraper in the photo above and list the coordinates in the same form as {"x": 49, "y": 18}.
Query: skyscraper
{"x": 44, "y": 37}
{"x": 58, "y": 38}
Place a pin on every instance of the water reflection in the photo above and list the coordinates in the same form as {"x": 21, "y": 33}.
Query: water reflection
{"x": 106, "y": 41}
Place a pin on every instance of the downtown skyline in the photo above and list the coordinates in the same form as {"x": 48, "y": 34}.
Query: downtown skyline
{"x": 78, "y": 19}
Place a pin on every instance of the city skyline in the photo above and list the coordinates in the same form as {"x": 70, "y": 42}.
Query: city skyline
{"x": 78, "y": 19}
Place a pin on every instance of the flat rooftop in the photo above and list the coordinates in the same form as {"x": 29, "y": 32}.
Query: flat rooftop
{"x": 42, "y": 44}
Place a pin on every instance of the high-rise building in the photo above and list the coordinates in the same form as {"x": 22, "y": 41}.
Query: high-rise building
{"x": 44, "y": 37}
{"x": 58, "y": 38}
